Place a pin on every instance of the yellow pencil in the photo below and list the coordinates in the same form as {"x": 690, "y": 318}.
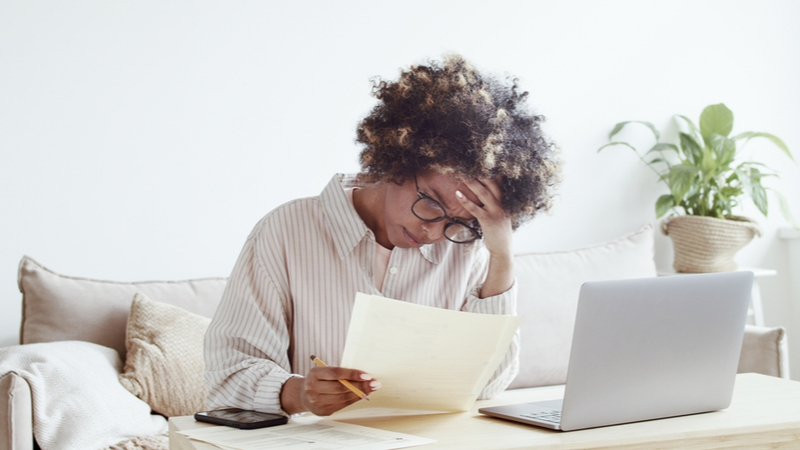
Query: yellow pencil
{"x": 346, "y": 383}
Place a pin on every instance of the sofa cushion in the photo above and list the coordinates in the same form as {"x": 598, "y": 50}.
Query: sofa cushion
{"x": 164, "y": 366}
{"x": 547, "y": 298}
{"x": 764, "y": 350}
{"x": 60, "y": 308}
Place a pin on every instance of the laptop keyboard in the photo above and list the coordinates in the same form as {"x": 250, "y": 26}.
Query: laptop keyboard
{"x": 552, "y": 416}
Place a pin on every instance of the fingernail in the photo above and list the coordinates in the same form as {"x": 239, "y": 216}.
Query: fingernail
{"x": 375, "y": 385}
{"x": 365, "y": 377}
{"x": 459, "y": 194}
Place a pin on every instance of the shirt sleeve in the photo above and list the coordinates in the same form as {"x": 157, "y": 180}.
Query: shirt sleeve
{"x": 504, "y": 304}
{"x": 247, "y": 343}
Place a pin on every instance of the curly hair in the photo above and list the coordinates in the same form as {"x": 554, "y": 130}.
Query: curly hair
{"x": 456, "y": 121}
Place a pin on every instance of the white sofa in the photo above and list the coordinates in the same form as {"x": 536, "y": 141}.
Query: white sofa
{"x": 156, "y": 344}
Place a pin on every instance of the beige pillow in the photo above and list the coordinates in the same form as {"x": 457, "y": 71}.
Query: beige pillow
{"x": 547, "y": 298}
{"x": 164, "y": 366}
{"x": 56, "y": 307}
{"x": 764, "y": 350}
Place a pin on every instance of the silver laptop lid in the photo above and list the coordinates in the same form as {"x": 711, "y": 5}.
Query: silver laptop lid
{"x": 655, "y": 347}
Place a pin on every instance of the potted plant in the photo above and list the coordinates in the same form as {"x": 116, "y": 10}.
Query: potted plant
{"x": 706, "y": 182}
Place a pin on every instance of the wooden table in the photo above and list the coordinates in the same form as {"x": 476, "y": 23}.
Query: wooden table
{"x": 765, "y": 413}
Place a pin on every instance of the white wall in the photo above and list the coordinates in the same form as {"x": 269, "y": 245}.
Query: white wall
{"x": 143, "y": 140}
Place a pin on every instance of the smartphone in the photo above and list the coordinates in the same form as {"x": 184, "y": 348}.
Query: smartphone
{"x": 241, "y": 418}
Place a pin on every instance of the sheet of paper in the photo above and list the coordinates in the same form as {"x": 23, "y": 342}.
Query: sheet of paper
{"x": 425, "y": 358}
{"x": 311, "y": 435}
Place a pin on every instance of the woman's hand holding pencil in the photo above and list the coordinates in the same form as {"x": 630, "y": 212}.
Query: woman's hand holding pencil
{"x": 326, "y": 389}
{"x": 344, "y": 382}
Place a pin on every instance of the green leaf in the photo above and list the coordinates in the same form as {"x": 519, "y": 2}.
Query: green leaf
{"x": 694, "y": 132}
{"x": 724, "y": 148}
{"x": 617, "y": 129}
{"x": 691, "y": 148}
{"x": 754, "y": 174}
{"x": 715, "y": 119}
{"x": 730, "y": 191}
{"x": 660, "y": 147}
{"x": 744, "y": 178}
{"x": 759, "y": 196}
{"x": 724, "y": 209}
{"x": 775, "y": 140}
{"x": 749, "y": 165}
{"x": 691, "y": 203}
{"x": 621, "y": 125}
{"x": 617, "y": 143}
{"x": 708, "y": 164}
{"x": 692, "y": 127}
{"x": 750, "y": 177}
{"x": 785, "y": 210}
{"x": 681, "y": 179}
{"x": 664, "y": 204}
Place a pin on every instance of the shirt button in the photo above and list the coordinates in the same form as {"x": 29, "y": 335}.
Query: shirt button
{"x": 393, "y": 270}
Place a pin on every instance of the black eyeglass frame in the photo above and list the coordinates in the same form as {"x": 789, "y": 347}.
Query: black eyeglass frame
{"x": 476, "y": 232}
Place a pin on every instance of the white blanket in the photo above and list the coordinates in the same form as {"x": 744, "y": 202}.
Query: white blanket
{"x": 78, "y": 402}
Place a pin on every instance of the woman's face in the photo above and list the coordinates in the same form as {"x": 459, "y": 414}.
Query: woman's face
{"x": 403, "y": 228}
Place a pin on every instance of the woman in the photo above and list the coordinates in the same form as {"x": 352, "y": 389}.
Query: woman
{"x": 452, "y": 163}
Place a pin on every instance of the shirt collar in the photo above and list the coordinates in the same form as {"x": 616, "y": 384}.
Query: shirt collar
{"x": 431, "y": 251}
{"x": 346, "y": 226}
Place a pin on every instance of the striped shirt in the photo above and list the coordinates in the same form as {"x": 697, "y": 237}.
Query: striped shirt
{"x": 292, "y": 291}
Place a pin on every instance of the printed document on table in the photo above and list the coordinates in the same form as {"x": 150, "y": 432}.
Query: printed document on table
{"x": 300, "y": 434}
{"x": 425, "y": 358}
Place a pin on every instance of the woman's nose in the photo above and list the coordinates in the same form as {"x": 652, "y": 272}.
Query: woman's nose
{"x": 434, "y": 231}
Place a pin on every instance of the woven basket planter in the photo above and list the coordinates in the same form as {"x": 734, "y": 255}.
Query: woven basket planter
{"x": 707, "y": 244}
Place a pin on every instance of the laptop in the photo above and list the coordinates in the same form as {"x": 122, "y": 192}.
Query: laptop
{"x": 647, "y": 348}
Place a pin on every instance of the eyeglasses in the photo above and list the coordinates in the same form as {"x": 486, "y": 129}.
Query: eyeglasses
{"x": 429, "y": 210}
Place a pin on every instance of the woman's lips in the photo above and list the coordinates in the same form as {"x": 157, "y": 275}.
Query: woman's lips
{"x": 412, "y": 239}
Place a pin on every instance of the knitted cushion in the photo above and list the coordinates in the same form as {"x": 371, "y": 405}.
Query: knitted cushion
{"x": 164, "y": 366}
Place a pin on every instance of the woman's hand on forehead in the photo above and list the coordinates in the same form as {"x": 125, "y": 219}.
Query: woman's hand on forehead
{"x": 494, "y": 222}
{"x": 497, "y": 231}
